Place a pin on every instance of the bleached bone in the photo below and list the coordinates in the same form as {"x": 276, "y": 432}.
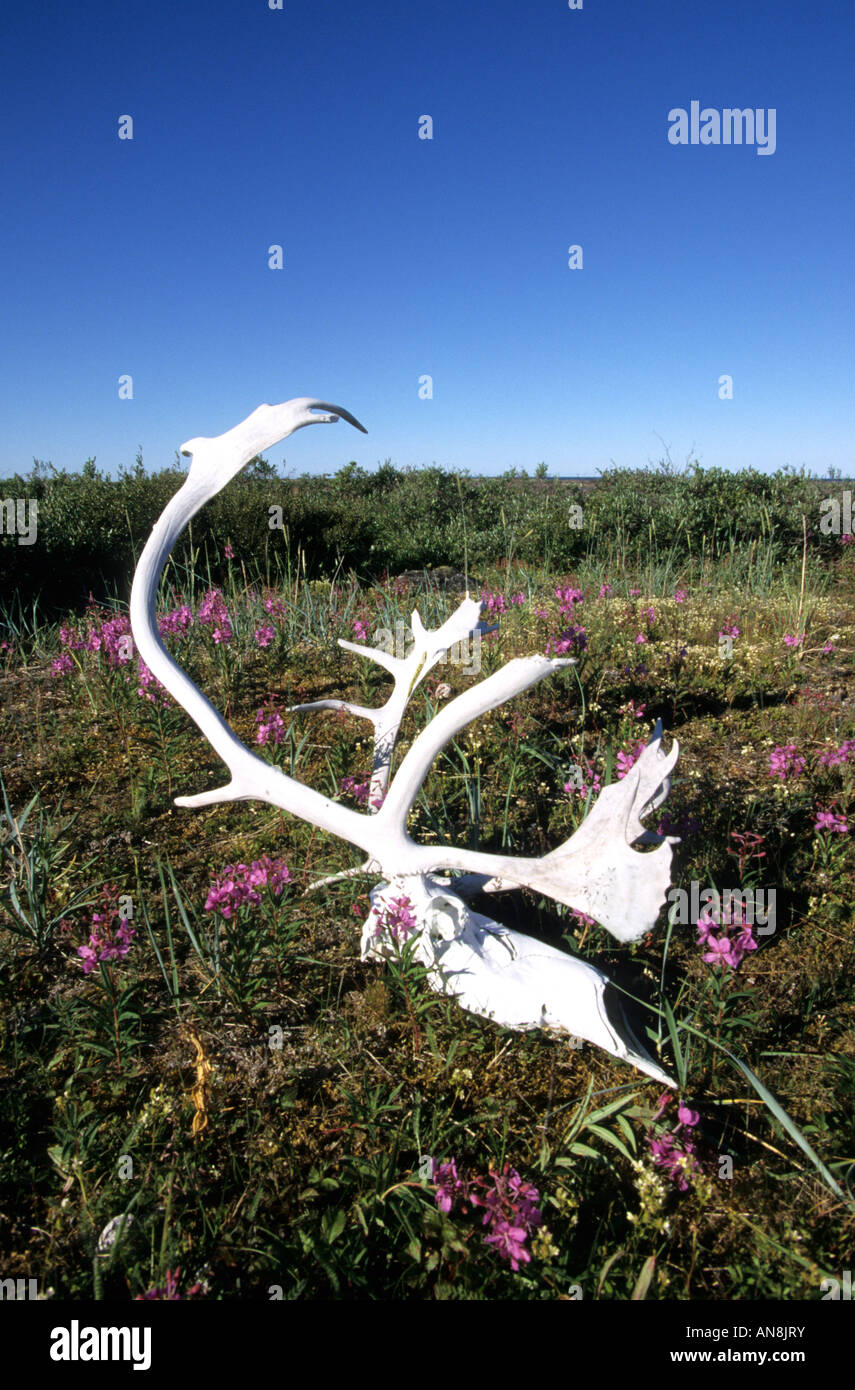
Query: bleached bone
{"x": 429, "y": 646}
{"x": 502, "y": 975}
{"x": 594, "y": 871}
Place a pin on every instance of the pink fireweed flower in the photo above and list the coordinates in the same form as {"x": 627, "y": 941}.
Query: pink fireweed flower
{"x": 587, "y": 780}
{"x": 829, "y": 821}
{"x": 518, "y": 600}
{"x": 264, "y": 636}
{"x": 239, "y": 884}
{"x": 175, "y": 622}
{"x": 627, "y": 760}
{"x": 229, "y": 551}
{"x": 836, "y": 757}
{"x": 662, "y": 1104}
{"x": 568, "y": 597}
{"x": 735, "y": 941}
{"x": 792, "y": 641}
{"x": 397, "y": 918}
{"x": 511, "y": 1212}
{"x": 635, "y": 593}
{"x": 359, "y": 790}
{"x": 105, "y": 941}
{"x": 680, "y": 595}
{"x": 493, "y": 602}
{"x": 573, "y": 639}
{"x": 68, "y": 638}
{"x": 109, "y": 637}
{"x": 61, "y": 665}
{"x": 116, "y": 640}
{"x": 732, "y": 631}
{"x": 606, "y": 590}
{"x": 672, "y": 1150}
{"x": 214, "y": 614}
{"x": 510, "y": 1243}
{"x": 447, "y": 1184}
{"x": 677, "y": 1157}
{"x": 150, "y": 687}
{"x": 274, "y": 606}
{"x": 786, "y": 762}
{"x": 510, "y": 1207}
{"x": 360, "y": 631}
{"x": 271, "y": 726}
{"x": 640, "y": 639}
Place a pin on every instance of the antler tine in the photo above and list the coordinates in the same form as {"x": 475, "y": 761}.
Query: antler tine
{"x": 407, "y": 673}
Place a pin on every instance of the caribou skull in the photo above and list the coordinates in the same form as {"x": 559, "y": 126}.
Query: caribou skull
{"x": 492, "y": 971}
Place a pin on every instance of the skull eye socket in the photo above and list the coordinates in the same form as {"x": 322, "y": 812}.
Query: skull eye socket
{"x": 446, "y": 918}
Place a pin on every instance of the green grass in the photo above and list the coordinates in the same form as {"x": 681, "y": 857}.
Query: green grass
{"x": 263, "y": 1103}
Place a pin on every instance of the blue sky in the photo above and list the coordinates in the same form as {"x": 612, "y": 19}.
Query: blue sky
{"x": 407, "y": 257}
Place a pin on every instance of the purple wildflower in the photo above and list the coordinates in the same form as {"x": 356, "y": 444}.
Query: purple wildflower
{"x": 176, "y": 622}
{"x": 726, "y": 949}
{"x": 568, "y": 597}
{"x": 397, "y": 918}
{"x": 271, "y": 726}
{"x": 836, "y": 757}
{"x": 214, "y": 614}
{"x": 786, "y": 762}
{"x": 573, "y": 639}
{"x": 105, "y": 942}
{"x": 237, "y": 886}
{"x": 627, "y": 760}
{"x": 359, "y": 790}
{"x": 672, "y": 1150}
{"x": 447, "y": 1184}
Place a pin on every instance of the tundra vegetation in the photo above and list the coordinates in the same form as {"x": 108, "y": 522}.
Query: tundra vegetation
{"x": 205, "y": 1093}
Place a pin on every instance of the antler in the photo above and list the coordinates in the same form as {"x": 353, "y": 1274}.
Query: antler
{"x": 407, "y": 672}
{"x": 595, "y": 870}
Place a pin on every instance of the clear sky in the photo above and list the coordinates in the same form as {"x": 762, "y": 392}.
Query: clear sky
{"x": 446, "y": 257}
